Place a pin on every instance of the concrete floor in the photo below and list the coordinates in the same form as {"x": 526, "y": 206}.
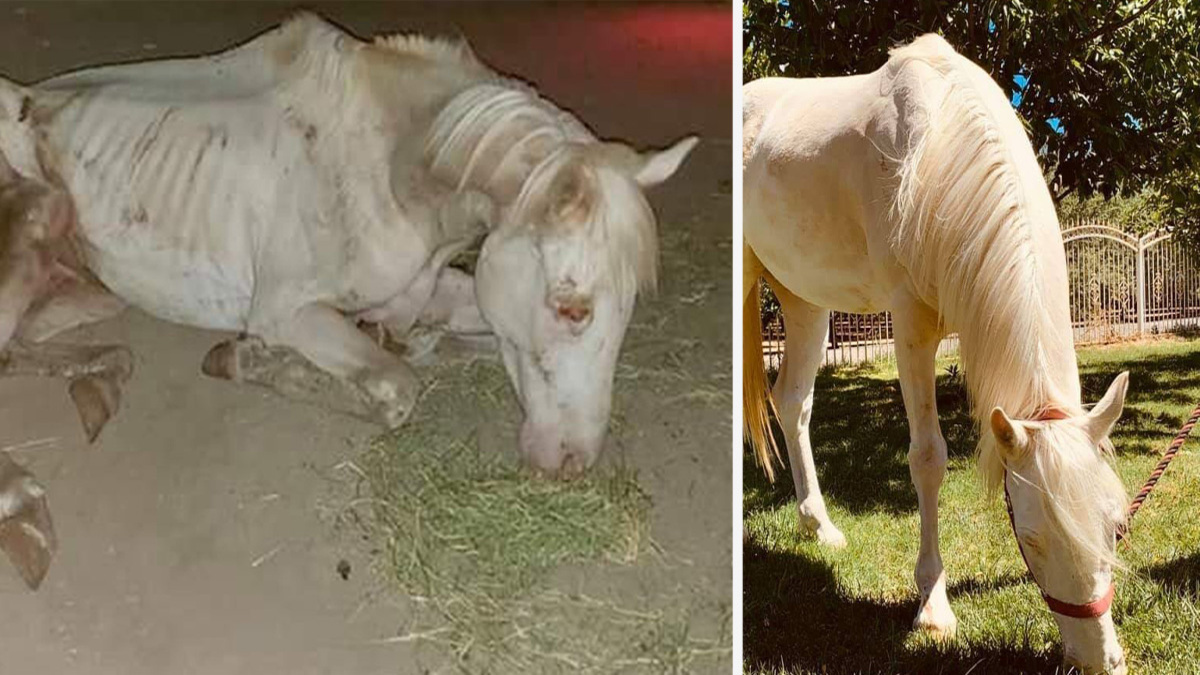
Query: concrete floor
{"x": 195, "y": 535}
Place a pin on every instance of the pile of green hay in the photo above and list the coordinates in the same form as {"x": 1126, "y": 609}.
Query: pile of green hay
{"x": 472, "y": 537}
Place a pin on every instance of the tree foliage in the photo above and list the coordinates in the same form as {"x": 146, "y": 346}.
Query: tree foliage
{"x": 1134, "y": 214}
{"x": 1109, "y": 89}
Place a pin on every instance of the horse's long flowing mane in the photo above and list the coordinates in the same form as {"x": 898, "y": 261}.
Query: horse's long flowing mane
{"x": 969, "y": 219}
{"x": 505, "y": 140}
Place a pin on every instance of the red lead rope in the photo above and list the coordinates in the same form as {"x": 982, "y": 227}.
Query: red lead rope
{"x": 1100, "y": 605}
{"x": 1172, "y": 450}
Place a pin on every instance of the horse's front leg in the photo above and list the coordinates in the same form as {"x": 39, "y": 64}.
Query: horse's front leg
{"x": 453, "y": 305}
{"x": 917, "y": 337}
{"x": 441, "y": 301}
{"x": 367, "y": 380}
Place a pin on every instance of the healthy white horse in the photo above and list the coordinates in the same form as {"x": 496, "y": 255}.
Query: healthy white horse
{"x": 914, "y": 189}
{"x": 305, "y": 181}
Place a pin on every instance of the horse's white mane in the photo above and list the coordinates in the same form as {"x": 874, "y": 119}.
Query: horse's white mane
{"x": 504, "y": 139}
{"x": 434, "y": 49}
{"x": 967, "y": 228}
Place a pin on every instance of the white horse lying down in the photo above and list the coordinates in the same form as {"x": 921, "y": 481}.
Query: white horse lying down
{"x": 305, "y": 181}
{"x": 914, "y": 189}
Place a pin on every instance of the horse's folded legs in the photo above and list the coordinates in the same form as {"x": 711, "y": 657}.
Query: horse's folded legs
{"x": 380, "y": 396}
{"x": 26, "y": 531}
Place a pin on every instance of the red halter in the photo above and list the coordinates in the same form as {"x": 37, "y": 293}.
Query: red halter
{"x": 1087, "y": 610}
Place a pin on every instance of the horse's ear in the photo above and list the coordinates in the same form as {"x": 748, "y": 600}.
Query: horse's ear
{"x": 657, "y": 166}
{"x": 647, "y": 168}
{"x": 1104, "y": 415}
{"x": 1010, "y": 435}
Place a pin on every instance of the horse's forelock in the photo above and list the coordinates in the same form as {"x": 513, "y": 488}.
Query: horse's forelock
{"x": 1086, "y": 505}
{"x": 616, "y": 216}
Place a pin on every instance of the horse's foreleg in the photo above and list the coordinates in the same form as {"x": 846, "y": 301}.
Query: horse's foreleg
{"x": 26, "y": 531}
{"x": 453, "y": 305}
{"x": 380, "y": 381}
{"x": 917, "y": 337}
{"x": 806, "y": 326}
{"x": 285, "y": 371}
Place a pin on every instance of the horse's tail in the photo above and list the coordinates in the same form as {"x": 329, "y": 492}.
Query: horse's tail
{"x": 757, "y": 405}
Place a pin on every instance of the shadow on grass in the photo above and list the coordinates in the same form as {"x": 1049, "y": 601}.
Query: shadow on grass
{"x": 860, "y": 430}
{"x": 1154, "y": 381}
{"x": 796, "y": 616}
{"x": 860, "y": 443}
{"x": 1180, "y": 574}
{"x": 796, "y": 619}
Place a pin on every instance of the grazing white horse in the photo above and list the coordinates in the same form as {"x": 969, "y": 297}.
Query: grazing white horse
{"x": 914, "y": 189}
{"x": 306, "y": 181}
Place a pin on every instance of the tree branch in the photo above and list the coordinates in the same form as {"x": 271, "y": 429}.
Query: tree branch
{"x": 1109, "y": 28}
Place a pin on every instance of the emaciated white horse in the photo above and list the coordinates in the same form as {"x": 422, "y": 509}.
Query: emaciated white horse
{"x": 304, "y": 182}
{"x": 914, "y": 189}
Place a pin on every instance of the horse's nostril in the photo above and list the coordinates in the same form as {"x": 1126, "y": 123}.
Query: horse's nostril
{"x": 575, "y": 312}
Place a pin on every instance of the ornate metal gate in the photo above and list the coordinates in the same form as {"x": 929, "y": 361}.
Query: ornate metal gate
{"x": 1123, "y": 286}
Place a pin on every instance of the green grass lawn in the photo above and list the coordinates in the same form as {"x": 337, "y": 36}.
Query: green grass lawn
{"x": 813, "y": 610}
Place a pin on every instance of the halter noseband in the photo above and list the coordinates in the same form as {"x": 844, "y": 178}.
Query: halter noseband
{"x": 1087, "y": 610}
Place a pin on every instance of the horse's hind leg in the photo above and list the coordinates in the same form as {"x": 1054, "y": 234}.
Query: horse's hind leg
{"x": 76, "y": 303}
{"x": 806, "y": 327}
{"x": 917, "y": 337}
{"x": 96, "y": 374}
{"x": 36, "y": 220}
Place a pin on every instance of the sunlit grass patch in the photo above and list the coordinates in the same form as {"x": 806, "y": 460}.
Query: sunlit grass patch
{"x": 809, "y": 609}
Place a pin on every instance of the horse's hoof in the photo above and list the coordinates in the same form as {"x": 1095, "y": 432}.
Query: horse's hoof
{"x": 831, "y": 537}
{"x": 96, "y": 398}
{"x": 394, "y": 392}
{"x": 26, "y": 531}
{"x": 392, "y": 417}
{"x": 820, "y": 527}
{"x": 221, "y": 361}
{"x": 941, "y": 626}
